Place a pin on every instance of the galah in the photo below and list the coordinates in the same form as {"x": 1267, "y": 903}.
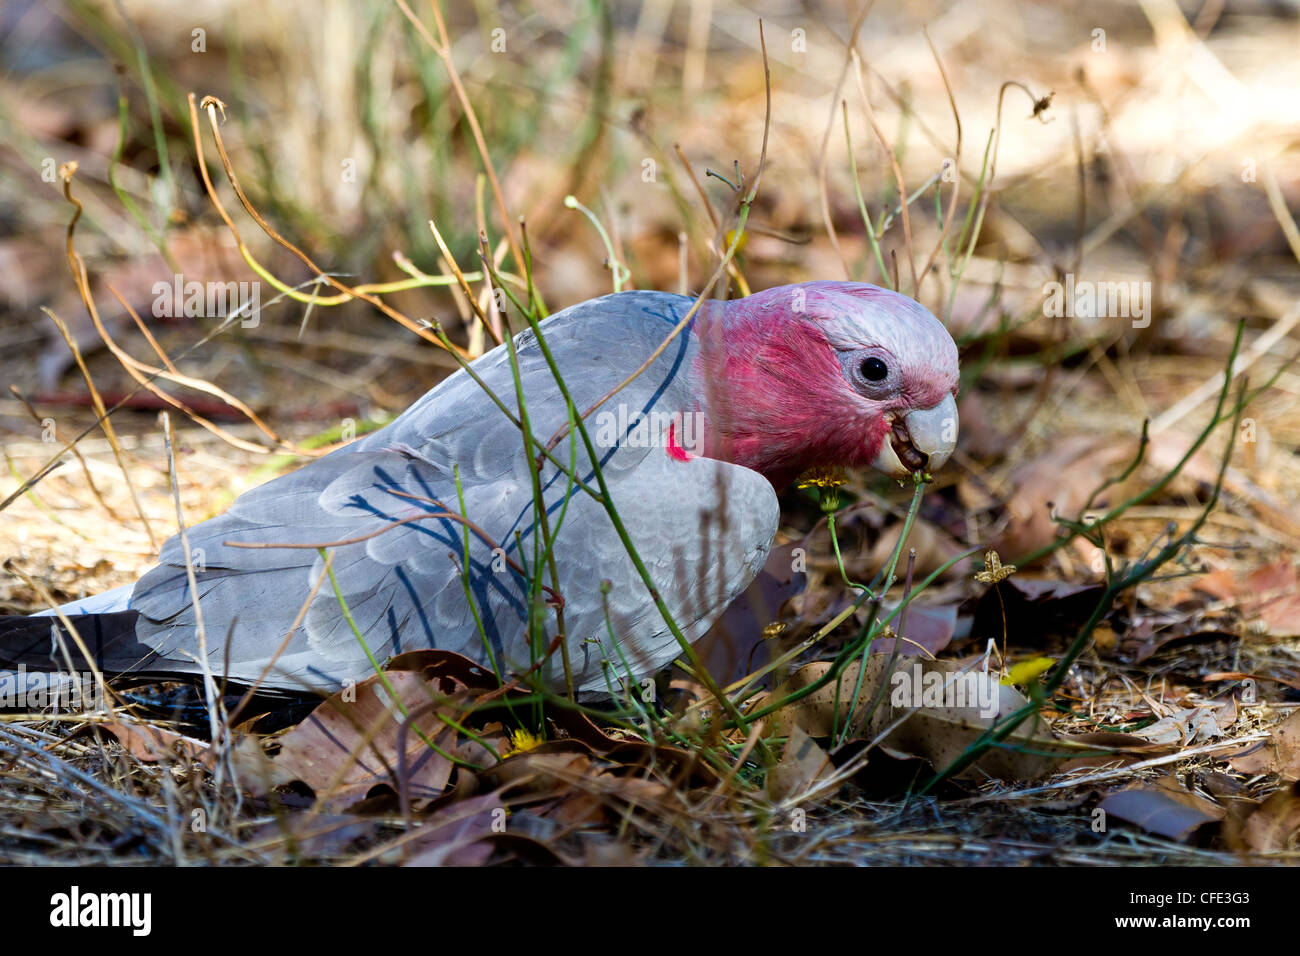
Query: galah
{"x": 752, "y": 393}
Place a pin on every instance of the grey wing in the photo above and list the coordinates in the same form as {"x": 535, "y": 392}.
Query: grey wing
{"x": 702, "y": 529}
{"x": 398, "y": 567}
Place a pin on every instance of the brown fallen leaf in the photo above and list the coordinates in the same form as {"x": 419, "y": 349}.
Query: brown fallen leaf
{"x": 575, "y": 725}
{"x": 802, "y": 764}
{"x": 928, "y": 630}
{"x": 1033, "y": 606}
{"x": 1288, "y": 680}
{"x": 603, "y": 798}
{"x": 542, "y": 771}
{"x": 1270, "y": 594}
{"x": 1274, "y": 827}
{"x": 350, "y": 743}
{"x": 566, "y": 785}
{"x": 458, "y": 834}
{"x": 1165, "y": 808}
{"x": 933, "y": 549}
{"x": 448, "y": 671}
{"x": 148, "y": 743}
{"x": 1058, "y": 481}
{"x": 943, "y": 709}
{"x": 1168, "y": 448}
{"x": 821, "y": 713}
{"x": 685, "y": 768}
{"x": 1280, "y": 754}
{"x": 1220, "y": 784}
{"x": 1150, "y": 633}
{"x": 1191, "y": 725}
{"x": 942, "y": 734}
{"x": 476, "y": 752}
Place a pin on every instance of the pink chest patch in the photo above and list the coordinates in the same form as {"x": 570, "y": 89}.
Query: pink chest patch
{"x": 675, "y": 450}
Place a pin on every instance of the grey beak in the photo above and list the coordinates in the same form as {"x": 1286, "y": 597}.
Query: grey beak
{"x": 930, "y": 432}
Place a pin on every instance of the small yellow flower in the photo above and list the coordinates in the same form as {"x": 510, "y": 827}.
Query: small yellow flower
{"x": 994, "y": 570}
{"x": 521, "y": 741}
{"x": 823, "y": 478}
{"x": 827, "y": 481}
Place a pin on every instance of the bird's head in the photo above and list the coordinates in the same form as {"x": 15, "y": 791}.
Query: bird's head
{"x": 828, "y": 374}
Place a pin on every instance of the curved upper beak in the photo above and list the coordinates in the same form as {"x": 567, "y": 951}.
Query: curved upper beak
{"x": 921, "y": 440}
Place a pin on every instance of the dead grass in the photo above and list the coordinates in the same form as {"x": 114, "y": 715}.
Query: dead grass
{"x": 1166, "y": 156}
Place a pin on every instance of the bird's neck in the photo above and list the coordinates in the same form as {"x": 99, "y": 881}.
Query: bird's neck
{"x": 775, "y": 397}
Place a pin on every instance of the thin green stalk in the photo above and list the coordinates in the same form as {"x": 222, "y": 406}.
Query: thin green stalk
{"x": 630, "y": 684}
{"x": 620, "y": 272}
{"x": 839, "y": 558}
{"x": 437, "y": 330}
{"x": 912, "y": 510}
{"x": 128, "y": 203}
{"x": 862, "y": 204}
{"x": 887, "y": 217}
{"x": 465, "y": 579}
{"x": 975, "y": 208}
{"x": 1146, "y": 494}
{"x": 379, "y": 671}
{"x": 155, "y": 113}
{"x": 536, "y": 629}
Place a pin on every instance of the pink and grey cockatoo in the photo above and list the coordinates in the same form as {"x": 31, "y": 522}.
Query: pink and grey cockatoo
{"x": 754, "y": 392}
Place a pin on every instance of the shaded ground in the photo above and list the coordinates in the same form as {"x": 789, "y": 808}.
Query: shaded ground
{"x": 1165, "y": 158}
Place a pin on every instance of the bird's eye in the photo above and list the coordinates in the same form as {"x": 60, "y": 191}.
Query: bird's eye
{"x": 874, "y": 369}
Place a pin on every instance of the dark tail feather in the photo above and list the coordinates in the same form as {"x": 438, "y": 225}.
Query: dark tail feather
{"x": 30, "y": 643}
{"x": 110, "y": 640}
